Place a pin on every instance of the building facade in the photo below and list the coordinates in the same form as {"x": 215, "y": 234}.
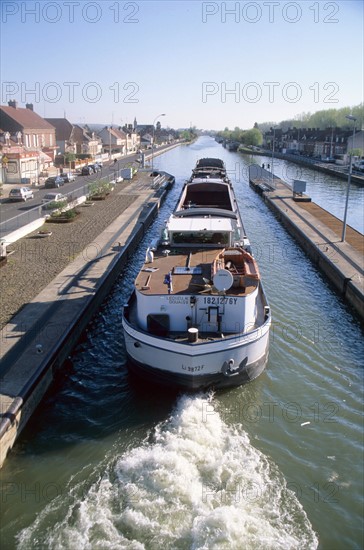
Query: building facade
{"x": 36, "y": 133}
{"x": 27, "y": 143}
{"x": 310, "y": 142}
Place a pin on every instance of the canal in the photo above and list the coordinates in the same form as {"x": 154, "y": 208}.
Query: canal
{"x": 273, "y": 464}
{"x": 325, "y": 190}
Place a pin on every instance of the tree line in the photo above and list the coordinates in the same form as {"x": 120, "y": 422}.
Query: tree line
{"x": 326, "y": 118}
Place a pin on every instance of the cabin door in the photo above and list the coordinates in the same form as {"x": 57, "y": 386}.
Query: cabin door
{"x": 213, "y": 319}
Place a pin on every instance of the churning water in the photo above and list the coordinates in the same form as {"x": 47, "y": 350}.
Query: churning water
{"x": 194, "y": 482}
{"x": 274, "y": 464}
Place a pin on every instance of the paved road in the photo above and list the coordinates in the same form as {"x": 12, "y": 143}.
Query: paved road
{"x": 55, "y": 317}
{"x": 17, "y": 214}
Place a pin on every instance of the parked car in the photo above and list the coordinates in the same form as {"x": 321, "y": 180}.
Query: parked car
{"x": 21, "y": 194}
{"x": 53, "y": 197}
{"x": 54, "y": 181}
{"x": 68, "y": 177}
{"x": 95, "y": 168}
{"x": 359, "y": 165}
{"x": 86, "y": 170}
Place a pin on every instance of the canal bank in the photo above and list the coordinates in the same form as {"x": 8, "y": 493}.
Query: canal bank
{"x": 319, "y": 234}
{"x": 99, "y": 448}
{"x": 337, "y": 171}
{"x": 40, "y": 337}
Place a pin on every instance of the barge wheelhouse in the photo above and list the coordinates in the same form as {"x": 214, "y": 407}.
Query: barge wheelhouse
{"x": 198, "y": 316}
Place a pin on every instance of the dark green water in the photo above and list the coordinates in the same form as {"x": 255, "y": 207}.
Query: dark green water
{"x": 277, "y": 463}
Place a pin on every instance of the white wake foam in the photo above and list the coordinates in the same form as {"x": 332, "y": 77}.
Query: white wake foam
{"x": 195, "y": 484}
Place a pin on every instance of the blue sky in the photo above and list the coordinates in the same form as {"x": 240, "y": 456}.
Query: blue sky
{"x": 210, "y": 64}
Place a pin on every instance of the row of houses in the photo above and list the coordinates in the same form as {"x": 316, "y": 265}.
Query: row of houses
{"x": 314, "y": 142}
{"x": 31, "y": 145}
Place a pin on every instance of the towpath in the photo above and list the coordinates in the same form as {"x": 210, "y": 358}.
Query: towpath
{"x": 54, "y": 284}
{"x": 319, "y": 233}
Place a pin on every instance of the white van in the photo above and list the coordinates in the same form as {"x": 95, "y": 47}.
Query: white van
{"x": 21, "y": 194}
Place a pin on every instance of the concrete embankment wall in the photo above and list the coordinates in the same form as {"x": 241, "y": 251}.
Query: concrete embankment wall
{"x": 303, "y": 161}
{"x": 325, "y": 262}
{"x": 58, "y": 316}
{"x": 319, "y": 234}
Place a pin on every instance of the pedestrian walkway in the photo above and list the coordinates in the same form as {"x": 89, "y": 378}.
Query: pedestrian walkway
{"x": 319, "y": 234}
{"x": 353, "y": 237}
{"x": 44, "y": 332}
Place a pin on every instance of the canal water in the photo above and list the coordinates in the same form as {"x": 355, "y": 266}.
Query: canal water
{"x": 325, "y": 190}
{"x": 274, "y": 464}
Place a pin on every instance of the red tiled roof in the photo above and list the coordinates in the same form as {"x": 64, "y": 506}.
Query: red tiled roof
{"x": 26, "y": 118}
{"x": 63, "y": 128}
{"x": 118, "y": 133}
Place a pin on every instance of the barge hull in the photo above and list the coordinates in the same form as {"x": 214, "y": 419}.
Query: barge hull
{"x": 198, "y": 366}
{"x": 168, "y": 379}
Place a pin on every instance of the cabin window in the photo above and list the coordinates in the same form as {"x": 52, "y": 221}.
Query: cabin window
{"x": 201, "y": 237}
{"x": 158, "y": 324}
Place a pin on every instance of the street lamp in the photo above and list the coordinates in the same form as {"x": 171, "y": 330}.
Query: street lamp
{"x": 332, "y": 137}
{"x": 349, "y": 117}
{"x": 274, "y": 138}
{"x": 154, "y": 121}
